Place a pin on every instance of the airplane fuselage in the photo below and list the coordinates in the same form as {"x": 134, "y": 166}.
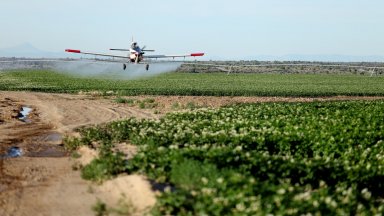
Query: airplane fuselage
{"x": 135, "y": 57}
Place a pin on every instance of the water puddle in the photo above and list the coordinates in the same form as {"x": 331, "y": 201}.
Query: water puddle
{"x": 23, "y": 115}
{"x": 46, "y": 145}
{"x": 49, "y": 151}
{"x": 53, "y": 138}
{"x": 42, "y": 151}
{"x": 13, "y": 152}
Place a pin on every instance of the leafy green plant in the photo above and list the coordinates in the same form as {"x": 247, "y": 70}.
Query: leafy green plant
{"x": 72, "y": 144}
{"x": 191, "y": 105}
{"x": 188, "y": 174}
{"x": 107, "y": 165}
{"x": 128, "y": 101}
{"x": 149, "y": 100}
{"x": 75, "y": 155}
{"x": 175, "y": 106}
{"x": 124, "y": 207}
{"x": 142, "y": 105}
{"x": 120, "y": 100}
{"x": 148, "y": 103}
{"x": 100, "y": 208}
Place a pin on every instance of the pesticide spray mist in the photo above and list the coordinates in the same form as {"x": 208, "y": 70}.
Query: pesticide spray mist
{"x": 114, "y": 70}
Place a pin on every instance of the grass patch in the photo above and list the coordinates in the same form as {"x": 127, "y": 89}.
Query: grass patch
{"x": 100, "y": 208}
{"x": 148, "y": 103}
{"x": 127, "y": 101}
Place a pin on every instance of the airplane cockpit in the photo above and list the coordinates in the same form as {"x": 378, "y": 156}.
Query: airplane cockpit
{"x": 135, "y": 47}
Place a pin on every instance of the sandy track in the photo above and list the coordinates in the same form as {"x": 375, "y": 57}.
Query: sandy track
{"x": 47, "y": 184}
{"x": 66, "y": 112}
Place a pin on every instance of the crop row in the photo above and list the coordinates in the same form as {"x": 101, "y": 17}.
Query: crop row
{"x": 197, "y": 84}
{"x": 254, "y": 159}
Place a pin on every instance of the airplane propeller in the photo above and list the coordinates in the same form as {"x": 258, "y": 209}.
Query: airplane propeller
{"x": 144, "y": 50}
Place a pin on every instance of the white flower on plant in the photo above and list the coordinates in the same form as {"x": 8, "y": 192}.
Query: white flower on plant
{"x": 216, "y": 200}
{"x": 252, "y": 180}
{"x": 207, "y": 191}
{"x": 281, "y": 191}
{"x": 333, "y": 203}
{"x": 328, "y": 200}
{"x": 167, "y": 189}
{"x": 366, "y": 194}
{"x": 238, "y": 148}
{"x": 240, "y": 206}
{"x": 204, "y": 180}
{"x": 303, "y": 196}
{"x": 193, "y": 193}
{"x": 315, "y": 203}
{"x": 220, "y": 180}
{"x": 292, "y": 211}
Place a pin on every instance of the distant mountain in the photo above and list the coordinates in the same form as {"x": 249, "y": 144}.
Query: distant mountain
{"x": 27, "y": 50}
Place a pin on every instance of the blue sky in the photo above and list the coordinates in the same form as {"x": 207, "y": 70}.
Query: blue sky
{"x": 221, "y": 28}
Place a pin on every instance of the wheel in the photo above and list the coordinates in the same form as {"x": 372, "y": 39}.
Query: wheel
{"x": 147, "y": 67}
{"x": 124, "y": 66}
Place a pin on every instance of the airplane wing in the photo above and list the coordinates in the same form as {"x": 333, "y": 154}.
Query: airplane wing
{"x": 173, "y": 56}
{"x": 145, "y": 56}
{"x": 97, "y": 54}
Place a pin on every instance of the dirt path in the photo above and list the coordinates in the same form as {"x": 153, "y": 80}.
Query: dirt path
{"x": 42, "y": 181}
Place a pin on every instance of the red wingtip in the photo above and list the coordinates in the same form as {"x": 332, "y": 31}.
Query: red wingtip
{"x": 72, "y": 51}
{"x": 197, "y": 54}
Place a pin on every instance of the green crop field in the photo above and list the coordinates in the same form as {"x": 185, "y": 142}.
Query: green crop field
{"x": 318, "y": 158}
{"x": 322, "y": 158}
{"x": 216, "y": 84}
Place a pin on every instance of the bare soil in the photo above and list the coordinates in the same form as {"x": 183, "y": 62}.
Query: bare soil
{"x": 43, "y": 181}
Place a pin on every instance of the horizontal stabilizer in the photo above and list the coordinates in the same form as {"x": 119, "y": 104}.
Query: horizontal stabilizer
{"x": 120, "y": 49}
{"x": 127, "y": 50}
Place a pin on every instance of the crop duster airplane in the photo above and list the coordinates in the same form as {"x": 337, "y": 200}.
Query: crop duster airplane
{"x": 136, "y": 54}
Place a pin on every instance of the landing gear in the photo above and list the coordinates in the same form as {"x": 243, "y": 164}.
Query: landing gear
{"x": 146, "y": 67}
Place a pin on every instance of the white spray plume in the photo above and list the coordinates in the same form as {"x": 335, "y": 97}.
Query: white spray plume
{"x": 114, "y": 70}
